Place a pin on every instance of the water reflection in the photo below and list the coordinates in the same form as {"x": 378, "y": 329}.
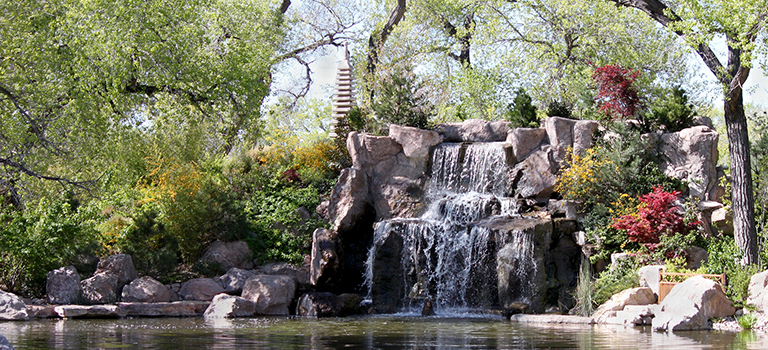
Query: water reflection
{"x": 352, "y": 333}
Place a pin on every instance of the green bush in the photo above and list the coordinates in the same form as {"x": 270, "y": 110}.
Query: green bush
{"x": 618, "y": 277}
{"x": 559, "y": 109}
{"x": 521, "y": 113}
{"x": 155, "y": 252}
{"x": 724, "y": 257}
{"x": 672, "y": 112}
{"x": 400, "y": 100}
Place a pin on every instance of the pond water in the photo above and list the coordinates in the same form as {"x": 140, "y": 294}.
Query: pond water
{"x": 370, "y": 332}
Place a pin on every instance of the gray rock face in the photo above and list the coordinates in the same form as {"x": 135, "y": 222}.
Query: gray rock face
{"x": 272, "y": 294}
{"x": 633, "y": 296}
{"x": 474, "y": 130}
{"x": 119, "y": 265}
{"x": 234, "y": 280}
{"x": 536, "y": 178}
{"x": 758, "y": 291}
{"x": 695, "y": 257}
{"x": 691, "y": 154}
{"x": 525, "y": 140}
{"x": 63, "y": 286}
{"x": 230, "y": 306}
{"x": 691, "y": 304}
{"x": 5, "y": 344}
{"x": 200, "y": 289}
{"x": 349, "y": 199}
{"x": 12, "y": 308}
{"x": 146, "y": 290}
{"x": 567, "y": 134}
{"x": 367, "y": 151}
{"x": 102, "y": 288}
{"x": 388, "y": 281}
{"x": 415, "y": 142}
{"x": 324, "y": 268}
{"x": 318, "y": 304}
{"x": 229, "y": 255}
{"x": 301, "y": 274}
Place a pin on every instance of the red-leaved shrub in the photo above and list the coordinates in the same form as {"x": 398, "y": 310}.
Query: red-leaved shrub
{"x": 656, "y": 215}
{"x": 617, "y": 95}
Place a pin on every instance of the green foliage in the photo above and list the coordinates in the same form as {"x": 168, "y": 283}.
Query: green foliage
{"x": 155, "y": 252}
{"x": 738, "y": 283}
{"x": 672, "y": 112}
{"x": 585, "y": 305}
{"x": 53, "y": 233}
{"x": 400, "y": 100}
{"x": 747, "y": 321}
{"x": 521, "y": 113}
{"x": 621, "y": 276}
{"x": 724, "y": 257}
{"x": 557, "y": 108}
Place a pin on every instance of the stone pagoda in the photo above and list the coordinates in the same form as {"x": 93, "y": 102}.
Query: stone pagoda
{"x": 343, "y": 98}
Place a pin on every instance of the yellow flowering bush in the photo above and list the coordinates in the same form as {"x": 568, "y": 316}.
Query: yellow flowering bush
{"x": 584, "y": 176}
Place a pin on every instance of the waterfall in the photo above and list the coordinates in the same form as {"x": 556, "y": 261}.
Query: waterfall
{"x": 445, "y": 254}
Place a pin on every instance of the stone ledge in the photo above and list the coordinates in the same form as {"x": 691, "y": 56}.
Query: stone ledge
{"x": 555, "y": 319}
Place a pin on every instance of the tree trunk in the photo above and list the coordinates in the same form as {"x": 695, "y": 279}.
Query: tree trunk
{"x": 741, "y": 177}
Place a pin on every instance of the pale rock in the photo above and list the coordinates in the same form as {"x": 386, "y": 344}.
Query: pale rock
{"x": 525, "y": 140}
{"x": 583, "y": 130}
{"x": 350, "y": 199}
{"x": 702, "y": 120}
{"x": 229, "y": 254}
{"x": 234, "y": 280}
{"x": 63, "y": 286}
{"x": 570, "y": 209}
{"x": 12, "y": 308}
{"x": 474, "y": 130}
{"x": 200, "y": 289}
{"x": 758, "y": 291}
{"x": 367, "y": 151}
{"x": 102, "y": 288}
{"x": 415, "y": 142}
{"x": 634, "y": 315}
{"x": 691, "y": 304}
{"x": 324, "y": 268}
{"x": 230, "y": 306}
{"x": 272, "y": 294}
{"x": 617, "y": 302}
{"x": 723, "y": 219}
{"x": 173, "y": 309}
{"x": 649, "y": 276}
{"x": 535, "y": 174}
{"x": 42, "y": 311}
{"x": 146, "y": 290}
{"x": 691, "y": 155}
{"x": 119, "y": 265}
{"x": 88, "y": 311}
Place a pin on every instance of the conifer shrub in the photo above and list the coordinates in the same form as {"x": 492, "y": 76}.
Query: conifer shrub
{"x": 522, "y": 113}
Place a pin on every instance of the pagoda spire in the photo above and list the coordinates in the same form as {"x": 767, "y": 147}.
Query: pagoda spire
{"x": 343, "y": 94}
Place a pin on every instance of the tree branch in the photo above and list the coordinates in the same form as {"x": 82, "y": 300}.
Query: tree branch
{"x": 375, "y": 43}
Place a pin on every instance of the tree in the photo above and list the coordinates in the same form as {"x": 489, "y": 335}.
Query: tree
{"x": 740, "y": 22}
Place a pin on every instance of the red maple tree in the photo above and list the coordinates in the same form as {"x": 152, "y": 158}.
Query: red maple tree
{"x": 617, "y": 95}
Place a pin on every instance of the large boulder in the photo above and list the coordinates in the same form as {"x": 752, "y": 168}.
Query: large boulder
{"x": 535, "y": 176}
{"x": 234, "y": 279}
{"x": 12, "y": 308}
{"x": 301, "y": 274}
{"x": 324, "y": 265}
{"x": 415, "y": 142}
{"x": 758, "y": 291}
{"x": 200, "y": 289}
{"x": 690, "y": 305}
{"x": 119, "y": 265}
{"x": 102, "y": 288}
{"x": 5, "y": 344}
{"x": 568, "y": 134}
{"x": 230, "y": 306}
{"x": 273, "y": 294}
{"x": 617, "y": 302}
{"x": 525, "y": 140}
{"x": 146, "y": 290}
{"x": 63, "y": 286}
{"x": 367, "y": 151}
{"x": 229, "y": 255}
{"x": 474, "y": 130}
{"x": 388, "y": 280}
{"x": 88, "y": 311}
{"x": 318, "y": 304}
{"x": 691, "y": 155}
{"x": 350, "y": 199}
{"x": 649, "y": 276}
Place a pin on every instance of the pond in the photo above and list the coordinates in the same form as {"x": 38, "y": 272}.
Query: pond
{"x": 370, "y": 332}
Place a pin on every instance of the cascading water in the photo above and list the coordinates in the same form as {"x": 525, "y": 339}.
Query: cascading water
{"x": 445, "y": 254}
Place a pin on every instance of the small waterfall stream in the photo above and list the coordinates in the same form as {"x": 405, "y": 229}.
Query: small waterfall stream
{"x": 447, "y": 254}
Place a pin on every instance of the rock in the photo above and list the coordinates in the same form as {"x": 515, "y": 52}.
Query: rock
{"x": 758, "y": 291}
{"x": 387, "y": 282}
{"x": 234, "y": 279}
{"x": 324, "y": 268}
{"x": 272, "y": 294}
{"x": 723, "y": 219}
{"x": 119, "y": 265}
{"x": 102, "y": 288}
{"x": 427, "y": 309}
{"x": 691, "y": 155}
{"x": 550, "y": 319}
{"x": 565, "y": 134}
{"x": 535, "y": 177}
{"x": 525, "y": 140}
{"x": 318, "y": 304}
{"x": 702, "y": 120}
{"x": 5, "y": 344}
{"x": 474, "y": 130}
{"x": 350, "y": 304}
{"x": 568, "y": 209}
{"x": 174, "y": 309}
{"x": 200, "y": 289}
{"x": 230, "y": 306}
{"x": 415, "y": 142}
{"x": 146, "y": 290}
{"x": 350, "y": 199}
{"x": 634, "y": 315}
{"x": 617, "y": 302}
{"x": 301, "y": 274}
{"x": 42, "y": 311}
{"x": 367, "y": 151}
{"x": 691, "y": 304}
{"x": 12, "y": 308}
{"x": 649, "y": 276}
{"x": 63, "y": 286}
{"x": 88, "y": 311}
{"x": 582, "y": 135}
{"x": 695, "y": 257}
{"x": 229, "y": 255}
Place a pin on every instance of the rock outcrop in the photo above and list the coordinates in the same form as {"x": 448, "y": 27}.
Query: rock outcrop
{"x": 120, "y": 266}
{"x": 63, "y": 286}
{"x": 691, "y": 304}
{"x": 12, "y": 308}
{"x": 5, "y": 344}
{"x": 146, "y": 290}
{"x": 200, "y": 289}
{"x": 318, "y": 304}
{"x": 474, "y": 130}
{"x": 649, "y": 276}
{"x": 272, "y": 294}
{"x": 324, "y": 267}
{"x": 691, "y": 155}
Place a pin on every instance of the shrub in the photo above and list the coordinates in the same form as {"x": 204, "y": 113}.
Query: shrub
{"x": 521, "y": 113}
{"x": 401, "y": 101}
{"x": 559, "y": 109}
{"x": 617, "y": 96}
{"x": 618, "y": 277}
{"x": 672, "y": 112}
{"x": 747, "y": 321}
